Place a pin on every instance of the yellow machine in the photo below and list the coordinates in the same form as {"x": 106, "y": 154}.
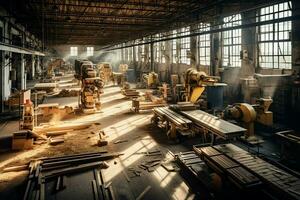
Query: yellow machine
{"x": 248, "y": 114}
{"x": 52, "y": 66}
{"x": 28, "y": 116}
{"x": 151, "y": 80}
{"x": 195, "y": 83}
{"x": 91, "y": 88}
{"x": 105, "y": 72}
{"x": 123, "y": 68}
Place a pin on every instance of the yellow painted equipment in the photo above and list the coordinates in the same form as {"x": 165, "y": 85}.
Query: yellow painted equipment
{"x": 248, "y": 114}
{"x": 91, "y": 88}
{"x": 151, "y": 79}
{"x": 53, "y": 65}
{"x": 264, "y": 116}
{"x": 28, "y": 116}
{"x": 195, "y": 82}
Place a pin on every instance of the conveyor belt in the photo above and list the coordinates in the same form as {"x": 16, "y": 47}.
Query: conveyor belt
{"x": 212, "y": 123}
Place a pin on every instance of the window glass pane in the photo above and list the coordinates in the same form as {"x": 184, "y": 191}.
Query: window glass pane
{"x": 274, "y": 42}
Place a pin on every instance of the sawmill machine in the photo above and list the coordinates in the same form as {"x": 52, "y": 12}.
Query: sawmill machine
{"x": 195, "y": 82}
{"x": 120, "y": 77}
{"x": 151, "y": 80}
{"x": 52, "y": 66}
{"x": 247, "y": 115}
{"x": 105, "y": 71}
{"x": 91, "y": 87}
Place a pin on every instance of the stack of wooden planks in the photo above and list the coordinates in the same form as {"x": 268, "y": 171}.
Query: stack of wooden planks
{"x": 138, "y": 105}
{"x": 247, "y": 169}
{"x": 77, "y": 176}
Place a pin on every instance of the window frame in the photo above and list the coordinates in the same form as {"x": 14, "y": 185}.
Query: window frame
{"x": 232, "y": 41}
{"x": 271, "y": 47}
{"x": 73, "y": 51}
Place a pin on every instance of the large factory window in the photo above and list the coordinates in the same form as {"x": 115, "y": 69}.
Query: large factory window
{"x": 162, "y": 52}
{"x": 156, "y": 52}
{"x": 185, "y": 44}
{"x": 232, "y": 41}
{"x": 275, "y": 46}
{"x": 90, "y": 51}
{"x": 136, "y": 51}
{"x": 204, "y": 45}
{"x": 174, "y": 47}
{"x": 74, "y": 51}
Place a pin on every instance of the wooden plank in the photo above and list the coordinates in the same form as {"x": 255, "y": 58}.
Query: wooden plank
{"x": 214, "y": 124}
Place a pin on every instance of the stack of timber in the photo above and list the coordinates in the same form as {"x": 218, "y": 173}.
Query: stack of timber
{"x": 148, "y": 102}
{"x": 78, "y": 176}
{"x": 196, "y": 170}
{"x": 228, "y": 168}
{"x": 248, "y": 170}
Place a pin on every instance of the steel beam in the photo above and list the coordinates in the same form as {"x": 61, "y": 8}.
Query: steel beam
{"x": 16, "y": 49}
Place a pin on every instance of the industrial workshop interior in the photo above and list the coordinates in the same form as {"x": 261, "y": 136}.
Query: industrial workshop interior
{"x": 149, "y": 99}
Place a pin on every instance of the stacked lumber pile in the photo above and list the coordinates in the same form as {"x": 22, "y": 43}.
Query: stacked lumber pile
{"x": 63, "y": 177}
{"x": 147, "y": 102}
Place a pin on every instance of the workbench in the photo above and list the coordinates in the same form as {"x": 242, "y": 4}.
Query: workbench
{"x": 214, "y": 124}
{"x": 175, "y": 121}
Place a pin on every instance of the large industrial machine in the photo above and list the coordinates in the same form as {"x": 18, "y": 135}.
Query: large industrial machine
{"x": 27, "y": 116}
{"x": 151, "y": 80}
{"x": 195, "y": 82}
{"x": 91, "y": 86}
{"x": 248, "y": 114}
{"x": 54, "y": 64}
{"x": 105, "y": 71}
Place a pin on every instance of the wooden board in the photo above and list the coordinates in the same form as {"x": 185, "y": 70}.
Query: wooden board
{"x": 279, "y": 181}
{"x": 172, "y": 116}
{"x": 214, "y": 124}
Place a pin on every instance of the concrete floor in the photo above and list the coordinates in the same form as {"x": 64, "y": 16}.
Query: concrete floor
{"x": 118, "y": 123}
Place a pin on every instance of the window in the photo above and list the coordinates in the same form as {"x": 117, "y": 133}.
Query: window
{"x": 156, "y": 52}
{"x": 74, "y": 51}
{"x": 274, "y": 43}
{"x": 232, "y": 41}
{"x": 174, "y": 48}
{"x": 204, "y": 45}
{"x": 136, "y": 53}
{"x": 90, "y": 51}
{"x": 162, "y": 50}
{"x": 143, "y": 53}
{"x": 185, "y": 44}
